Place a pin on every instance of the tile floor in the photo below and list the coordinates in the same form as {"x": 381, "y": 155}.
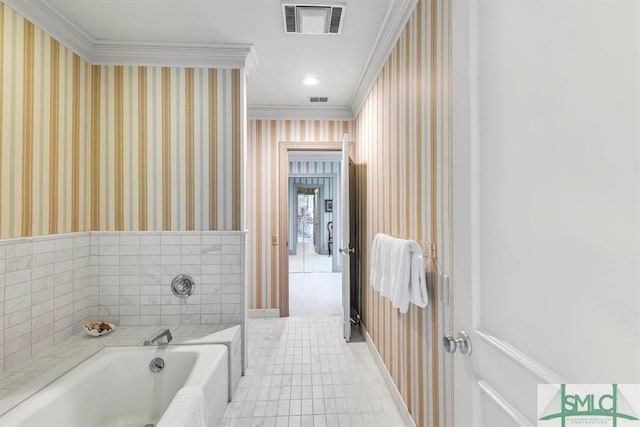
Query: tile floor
{"x": 302, "y": 373}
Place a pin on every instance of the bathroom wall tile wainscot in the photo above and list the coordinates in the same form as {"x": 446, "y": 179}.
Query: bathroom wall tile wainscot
{"x": 131, "y": 274}
{"x": 51, "y": 285}
{"x": 45, "y": 293}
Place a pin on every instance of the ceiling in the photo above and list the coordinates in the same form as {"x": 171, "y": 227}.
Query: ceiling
{"x": 345, "y": 63}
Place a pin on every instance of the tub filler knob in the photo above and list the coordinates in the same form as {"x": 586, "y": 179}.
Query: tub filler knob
{"x": 156, "y": 365}
{"x": 182, "y": 285}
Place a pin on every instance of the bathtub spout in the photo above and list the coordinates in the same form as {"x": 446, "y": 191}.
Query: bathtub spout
{"x": 158, "y": 338}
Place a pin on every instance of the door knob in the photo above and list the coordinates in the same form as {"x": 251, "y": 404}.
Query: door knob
{"x": 461, "y": 341}
{"x": 346, "y": 251}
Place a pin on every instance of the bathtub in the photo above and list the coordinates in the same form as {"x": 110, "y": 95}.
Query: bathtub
{"x": 116, "y": 387}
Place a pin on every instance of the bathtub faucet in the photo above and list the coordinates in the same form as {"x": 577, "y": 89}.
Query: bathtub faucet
{"x": 156, "y": 340}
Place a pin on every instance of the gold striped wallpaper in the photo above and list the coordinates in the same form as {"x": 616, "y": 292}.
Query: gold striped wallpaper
{"x": 86, "y": 147}
{"x": 263, "y": 141}
{"x": 402, "y": 137}
{"x": 44, "y": 160}
{"x": 168, "y": 143}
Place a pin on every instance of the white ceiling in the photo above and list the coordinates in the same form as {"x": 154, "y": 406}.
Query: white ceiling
{"x": 340, "y": 61}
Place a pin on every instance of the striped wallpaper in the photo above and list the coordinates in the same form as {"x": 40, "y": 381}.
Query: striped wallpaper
{"x": 314, "y": 167}
{"x": 262, "y": 189}
{"x": 167, "y": 146}
{"x": 44, "y": 160}
{"x": 113, "y": 148}
{"x": 402, "y": 140}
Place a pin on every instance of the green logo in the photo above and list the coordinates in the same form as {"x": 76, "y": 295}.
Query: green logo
{"x": 588, "y": 408}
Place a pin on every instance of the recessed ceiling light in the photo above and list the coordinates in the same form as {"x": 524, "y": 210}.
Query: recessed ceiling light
{"x": 310, "y": 81}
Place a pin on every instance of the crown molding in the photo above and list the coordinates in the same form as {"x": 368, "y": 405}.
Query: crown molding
{"x": 107, "y": 52}
{"x": 278, "y": 112}
{"x": 53, "y": 23}
{"x": 393, "y": 25}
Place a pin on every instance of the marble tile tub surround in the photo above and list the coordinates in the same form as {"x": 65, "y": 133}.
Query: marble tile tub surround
{"x": 131, "y": 274}
{"x": 51, "y": 285}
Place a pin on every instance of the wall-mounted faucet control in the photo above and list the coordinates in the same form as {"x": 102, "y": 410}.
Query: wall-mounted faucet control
{"x": 183, "y": 285}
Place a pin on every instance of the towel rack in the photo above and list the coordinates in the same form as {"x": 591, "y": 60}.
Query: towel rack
{"x": 429, "y": 250}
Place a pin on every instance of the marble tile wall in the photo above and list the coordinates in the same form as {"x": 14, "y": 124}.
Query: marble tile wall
{"x": 51, "y": 285}
{"x": 44, "y": 292}
{"x": 131, "y": 277}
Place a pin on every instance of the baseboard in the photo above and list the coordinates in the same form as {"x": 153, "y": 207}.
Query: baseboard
{"x": 391, "y": 386}
{"x": 264, "y": 312}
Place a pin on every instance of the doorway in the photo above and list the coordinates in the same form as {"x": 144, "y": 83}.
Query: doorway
{"x": 311, "y": 224}
{"x": 314, "y": 272}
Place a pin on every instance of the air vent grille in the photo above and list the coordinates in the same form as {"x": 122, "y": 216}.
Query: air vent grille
{"x": 318, "y": 18}
{"x": 290, "y": 19}
{"x": 336, "y": 15}
{"x": 317, "y": 99}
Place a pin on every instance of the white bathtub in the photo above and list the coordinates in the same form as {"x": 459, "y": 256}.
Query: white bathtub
{"x": 115, "y": 387}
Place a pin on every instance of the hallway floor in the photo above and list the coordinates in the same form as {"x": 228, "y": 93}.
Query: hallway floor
{"x": 315, "y": 294}
{"x": 302, "y": 373}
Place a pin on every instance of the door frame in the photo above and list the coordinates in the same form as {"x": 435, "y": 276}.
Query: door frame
{"x": 283, "y": 203}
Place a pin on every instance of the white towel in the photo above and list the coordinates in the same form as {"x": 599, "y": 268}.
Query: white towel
{"x": 388, "y": 254}
{"x": 376, "y": 266}
{"x": 379, "y": 263}
{"x": 418, "y": 284}
{"x": 187, "y": 409}
{"x": 397, "y": 271}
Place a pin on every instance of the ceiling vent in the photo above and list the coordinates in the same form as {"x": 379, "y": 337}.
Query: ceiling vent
{"x": 311, "y": 18}
{"x": 317, "y": 99}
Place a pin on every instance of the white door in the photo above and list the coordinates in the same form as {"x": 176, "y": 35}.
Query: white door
{"x": 546, "y": 203}
{"x": 345, "y": 244}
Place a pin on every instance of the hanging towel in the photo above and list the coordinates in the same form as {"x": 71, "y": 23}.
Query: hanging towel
{"x": 418, "y": 286}
{"x": 397, "y": 271}
{"x": 400, "y": 274}
{"x": 187, "y": 409}
{"x": 376, "y": 265}
{"x": 380, "y": 262}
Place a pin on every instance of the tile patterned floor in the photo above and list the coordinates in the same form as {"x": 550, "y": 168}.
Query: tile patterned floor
{"x": 302, "y": 373}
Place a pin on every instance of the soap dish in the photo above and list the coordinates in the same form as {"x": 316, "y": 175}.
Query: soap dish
{"x": 97, "y": 329}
